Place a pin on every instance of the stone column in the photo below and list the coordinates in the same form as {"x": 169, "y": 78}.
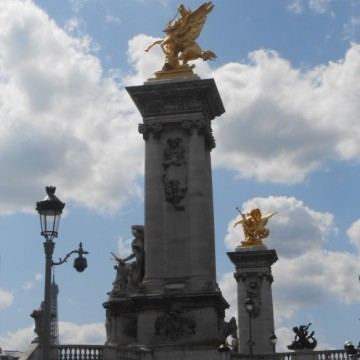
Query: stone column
{"x": 178, "y": 304}
{"x": 254, "y": 279}
{"x": 200, "y": 208}
{"x": 179, "y": 223}
{"x": 153, "y": 195}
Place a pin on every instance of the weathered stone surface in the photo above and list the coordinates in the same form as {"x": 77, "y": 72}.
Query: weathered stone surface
{"x": 254, "y": 278}
{"x": 178, "y": 305}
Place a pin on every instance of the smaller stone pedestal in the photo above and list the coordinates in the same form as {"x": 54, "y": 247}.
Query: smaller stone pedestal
{"x": 254, "y": 279}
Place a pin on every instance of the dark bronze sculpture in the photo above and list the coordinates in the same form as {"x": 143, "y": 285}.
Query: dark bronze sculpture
{"x": 130, "y": 275}
{"x": 303, "y": 340}
{"x": 230, "y": 329}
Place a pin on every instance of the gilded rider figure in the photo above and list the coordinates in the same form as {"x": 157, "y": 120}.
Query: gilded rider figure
{"x": 179, "y": 43}
{"x": 254, "y": 227}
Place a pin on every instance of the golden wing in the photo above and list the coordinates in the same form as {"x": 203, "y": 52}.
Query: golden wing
{"x": 265, "y": 218}
{"x": 192, "y": 25}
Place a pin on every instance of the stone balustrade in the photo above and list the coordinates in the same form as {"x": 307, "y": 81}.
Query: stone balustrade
{"x": 293, "y": 355}
{"x": 80, "y": 352}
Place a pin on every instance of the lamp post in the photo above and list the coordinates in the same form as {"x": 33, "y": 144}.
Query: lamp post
{"x": 351, "y": 351}
{"x": 50, "y": 210}
{"x": 273, "y": 340}
{"x": 224, "y": 351}
{"x": 249, "y": 306}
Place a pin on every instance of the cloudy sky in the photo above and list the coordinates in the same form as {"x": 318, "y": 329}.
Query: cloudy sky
{"x": 288, "y": 72}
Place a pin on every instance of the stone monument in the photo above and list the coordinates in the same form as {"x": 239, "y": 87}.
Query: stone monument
{"x": 174, "y": 308}
{"x": 253, "y": 275}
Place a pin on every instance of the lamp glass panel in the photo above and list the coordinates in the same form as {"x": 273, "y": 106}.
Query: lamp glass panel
{"x": 49, "y": 222}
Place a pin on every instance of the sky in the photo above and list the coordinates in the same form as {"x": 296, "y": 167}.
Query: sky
{"x": 288, "y": 73}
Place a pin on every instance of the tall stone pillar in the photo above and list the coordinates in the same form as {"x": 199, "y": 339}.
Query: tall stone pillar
{"x": 254, "y": 278}
{"x": 176, "y": 127}
{"x": 178, "y": 305}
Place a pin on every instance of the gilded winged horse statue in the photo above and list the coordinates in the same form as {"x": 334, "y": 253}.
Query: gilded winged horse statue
{"x": 254, "y": 227}
{"x": 179, "y": 45}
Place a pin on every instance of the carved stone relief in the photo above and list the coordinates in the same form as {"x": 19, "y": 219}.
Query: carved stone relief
{"x": 175, "y": 324}
{"x": 202, "y": 127}
{"x": 175, "y": 172}
{"x": 146, "y": 130}
{"x": 253, "y": 292}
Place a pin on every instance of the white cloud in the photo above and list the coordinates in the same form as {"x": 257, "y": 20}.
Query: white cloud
{"x": 294, "y": 230}
{"x": 92, "y": 334}
{"x": 228, "y": 287}
{"x": 77, "y": 5}
{"x": 144, "y": 63}
{"x": 314, "y": 277}
{"x": 62, "y": 121}
{"x": 27, "y": 286}
{"x": 282, "y": 124}
{"x": 318, "y": 6}
{"x": 354, "y": 234}
{"x": 306, "y": 274}
{"x": 124, "y": 247}
{"x": 352, "y": 29}
{"x": 69, "y": 333}
{"x": 18, "y": 340}
{"x": 296, "y": 6}
{"x": 6, "y": 298}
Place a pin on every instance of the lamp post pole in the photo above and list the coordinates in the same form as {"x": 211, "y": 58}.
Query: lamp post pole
{"x": 249, "y": 306}
{"x": 250, "y": 335}
{"x": 49, "y": 246}
{"x": 50, "y": 210}
{"x": 273, "y": 341}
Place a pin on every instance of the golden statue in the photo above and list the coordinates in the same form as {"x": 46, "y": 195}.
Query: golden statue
{"x": 254, "y": 227}
{"x": 179, "y": 44}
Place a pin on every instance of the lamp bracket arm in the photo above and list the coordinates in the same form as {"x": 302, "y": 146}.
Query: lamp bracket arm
{"x": 61, "y": 261}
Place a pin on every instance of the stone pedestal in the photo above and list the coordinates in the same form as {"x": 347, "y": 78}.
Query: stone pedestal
{"x": 254, "y": 279}
{"x": 178, "y": 303}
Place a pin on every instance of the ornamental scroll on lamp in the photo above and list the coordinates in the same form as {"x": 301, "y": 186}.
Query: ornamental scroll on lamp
{"x": 179, "y": 44}
{"x": 254, "y": 227}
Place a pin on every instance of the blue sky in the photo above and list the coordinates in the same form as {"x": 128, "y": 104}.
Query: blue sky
{"x": 288, "y": 72}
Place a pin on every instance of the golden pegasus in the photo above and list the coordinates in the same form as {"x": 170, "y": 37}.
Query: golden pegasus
{"x": 179, "y": 45}
{"x": 254, "y": 227}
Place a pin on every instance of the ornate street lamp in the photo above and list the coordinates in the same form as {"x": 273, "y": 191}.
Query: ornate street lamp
{"x": 273, "y": 340}
{"x": 249, "y": 306}
{"x": 351, "y": 351}
{"x": 50, "y": 210}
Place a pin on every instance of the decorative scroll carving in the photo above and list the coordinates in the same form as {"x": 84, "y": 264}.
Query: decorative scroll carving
{"x": 262, "y": 275}
{"x": 240, "y": 276}
{"x": 176, "y": 324}
{"x": 265, "y": 275}
{"x": 146, "y": 130}
{"x": 202, "y": 127}
{"x": 175, "y": 173}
